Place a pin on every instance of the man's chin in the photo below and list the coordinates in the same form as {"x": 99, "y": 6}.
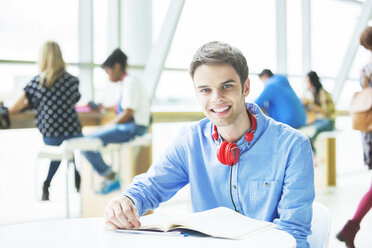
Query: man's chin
{"x": 219, "y": 122}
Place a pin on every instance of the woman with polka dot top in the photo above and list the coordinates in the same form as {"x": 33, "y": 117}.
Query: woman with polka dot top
{"x": 52, "y": 96}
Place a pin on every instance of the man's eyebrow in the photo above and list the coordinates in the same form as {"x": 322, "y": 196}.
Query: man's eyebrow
{"x": 202, "y": 86}
{"x": 229, "y": 81}
{"x": 224, "y": 82}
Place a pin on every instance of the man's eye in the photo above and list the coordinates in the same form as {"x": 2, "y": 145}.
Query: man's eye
{"x": 226, "y": 86}
{"x": 204, "y": 90}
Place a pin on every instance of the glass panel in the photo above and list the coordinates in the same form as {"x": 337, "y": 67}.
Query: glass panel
{"x": 294, "y": 37}
{"x": 159, "y": 11}
{"x": 24, "y": 29}
{"x": 238, "y": 22}
{"x": 298, "y": 85}
{"x": 14, "y": 78}
{"x": 176, "y": 91}
{"x": 99, "y": 31}
{"x": 333, "y": 23}
{"x": 235, "y": 23}
{"x": 350, "y": 87}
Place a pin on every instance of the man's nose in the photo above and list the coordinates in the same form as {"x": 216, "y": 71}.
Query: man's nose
{"x": 217, "y": 96}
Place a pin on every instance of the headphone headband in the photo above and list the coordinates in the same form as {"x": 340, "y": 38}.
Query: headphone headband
{"x": 248, "y": 136}
{"x": 229, "y": 153}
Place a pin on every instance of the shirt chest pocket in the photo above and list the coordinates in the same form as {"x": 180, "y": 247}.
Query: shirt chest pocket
{"x": 264, "y": 197}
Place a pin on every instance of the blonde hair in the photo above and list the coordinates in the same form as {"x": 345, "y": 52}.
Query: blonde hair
{"x": 51, "y": 63}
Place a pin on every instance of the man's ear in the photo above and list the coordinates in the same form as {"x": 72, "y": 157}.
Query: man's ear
{"x": 246, "y": 87}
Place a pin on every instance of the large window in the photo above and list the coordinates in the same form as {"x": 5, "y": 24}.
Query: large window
{"x": 100, "y": 34}
{"x": 248, "y": 25}
{"x": 333, "y": 23}
{"x": 24, "y": 27}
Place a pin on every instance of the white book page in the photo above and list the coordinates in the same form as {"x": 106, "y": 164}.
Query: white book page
{"x": 223, "y": 222}
{"x": 159, "y": 221}
{"x": 219, "y": 222}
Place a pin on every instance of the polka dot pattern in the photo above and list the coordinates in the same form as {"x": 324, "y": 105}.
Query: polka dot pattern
{"x": 54, "y": 107}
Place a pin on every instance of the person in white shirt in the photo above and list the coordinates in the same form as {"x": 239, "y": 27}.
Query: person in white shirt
{"x": 132, "y": 117}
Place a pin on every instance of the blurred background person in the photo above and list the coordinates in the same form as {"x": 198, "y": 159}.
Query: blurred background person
{"x": 279, "y": 100}
{"x": 132, "y": 117}
{"x": 52, "y": 96}
{"x": 349, "y": 231}
{"x": 319, "y": 106}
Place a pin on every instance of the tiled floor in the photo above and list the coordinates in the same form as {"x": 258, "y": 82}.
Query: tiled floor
{"x": 20, "y": 186}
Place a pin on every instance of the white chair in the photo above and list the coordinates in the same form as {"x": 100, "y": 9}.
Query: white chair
{"x": 69, "y": 152}
{"x": 136, "y": 142}
{"x": 320, "y": 226}
{"x": 115, "y": 150}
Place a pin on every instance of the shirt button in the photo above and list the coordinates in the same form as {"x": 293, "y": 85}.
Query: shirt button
{"x": 234, "y": 186}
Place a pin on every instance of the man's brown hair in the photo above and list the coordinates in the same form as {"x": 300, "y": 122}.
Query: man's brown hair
{"x": 217, "y": 52}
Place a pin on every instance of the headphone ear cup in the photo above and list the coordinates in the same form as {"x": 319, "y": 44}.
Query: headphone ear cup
{"x": 228, "y": 153}
{"x": 232, "y": 154}
{"x": 221, "y": 152}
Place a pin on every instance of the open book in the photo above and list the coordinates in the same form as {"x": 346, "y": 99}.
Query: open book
{"x": 218, "y": 222}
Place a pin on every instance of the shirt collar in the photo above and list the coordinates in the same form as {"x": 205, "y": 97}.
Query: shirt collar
{"x": 261, "y": 120}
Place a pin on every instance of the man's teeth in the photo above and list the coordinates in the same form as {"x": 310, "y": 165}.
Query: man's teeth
{"x": 220, "y": 110}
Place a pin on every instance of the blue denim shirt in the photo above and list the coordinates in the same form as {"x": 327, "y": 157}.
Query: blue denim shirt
{"x": 274, "y": 178}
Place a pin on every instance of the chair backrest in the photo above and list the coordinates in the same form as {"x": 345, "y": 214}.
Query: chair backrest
{"x": 320, "y": 226}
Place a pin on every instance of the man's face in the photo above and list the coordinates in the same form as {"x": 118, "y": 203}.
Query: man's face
{"x": 219, "y": 92}
{"x": 115, "y": 73}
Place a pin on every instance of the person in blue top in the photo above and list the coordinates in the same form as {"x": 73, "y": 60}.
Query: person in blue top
{"x": 280, "y": 101}
{"x": 236, "y": 157}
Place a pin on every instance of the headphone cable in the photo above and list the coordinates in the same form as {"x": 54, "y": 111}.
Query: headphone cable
{"x": 231, "y": 168}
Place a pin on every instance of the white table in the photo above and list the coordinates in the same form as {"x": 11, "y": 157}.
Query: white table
{"x": 88, "y": 232}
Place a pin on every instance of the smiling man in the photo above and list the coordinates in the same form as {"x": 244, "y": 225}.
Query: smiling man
{"x": 236, "y": 157}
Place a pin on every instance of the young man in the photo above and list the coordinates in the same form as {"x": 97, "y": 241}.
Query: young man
{"x": 133, "y": 115}
{"x": 280, "y": 101}
{"x": 236, "y": 157}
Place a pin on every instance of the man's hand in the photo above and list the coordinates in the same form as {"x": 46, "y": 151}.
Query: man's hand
{"x": 120, "y": 212}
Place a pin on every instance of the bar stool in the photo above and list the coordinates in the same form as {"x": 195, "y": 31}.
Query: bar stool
{"x": 115, "y": 149}
{"x": 70, "y": 152}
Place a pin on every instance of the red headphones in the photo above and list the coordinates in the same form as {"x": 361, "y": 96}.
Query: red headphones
{"x": 229, "y": 153}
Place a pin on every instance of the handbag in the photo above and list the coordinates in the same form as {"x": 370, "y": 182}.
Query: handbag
{"x": 361, "y": 108}
{"x": 4, "y": 117}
